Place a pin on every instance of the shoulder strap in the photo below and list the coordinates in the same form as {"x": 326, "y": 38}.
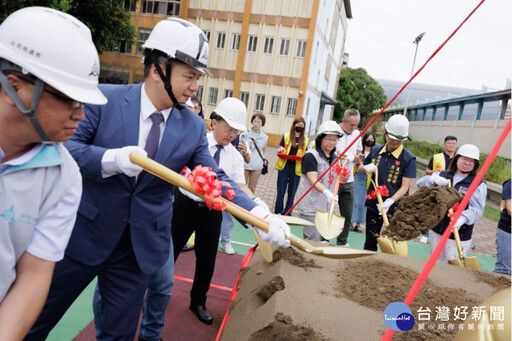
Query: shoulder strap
{"x": 255, "y": 145}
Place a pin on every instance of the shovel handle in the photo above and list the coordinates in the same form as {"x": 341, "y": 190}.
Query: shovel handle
{"x": 174, "y": 178}
{"x": 379, "y": 197}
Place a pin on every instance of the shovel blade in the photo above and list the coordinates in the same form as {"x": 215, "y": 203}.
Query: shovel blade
{"x": 466, "y": 262}
{"x": 390, "y": 246}
{"x": 329, "y": 226}
{"x": 343, "y": 252}
{"x": 265, "y": 248}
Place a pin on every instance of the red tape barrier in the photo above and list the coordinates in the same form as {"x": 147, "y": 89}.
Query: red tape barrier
{"x": 234, "y": 293}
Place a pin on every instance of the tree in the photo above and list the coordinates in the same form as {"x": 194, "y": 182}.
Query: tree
{"x": 107, "y": 19}
{"x": 357, "y": 89}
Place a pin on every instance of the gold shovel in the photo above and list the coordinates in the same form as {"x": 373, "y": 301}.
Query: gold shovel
{"x": 328, "y": 224}
{"x": 387, "y": 245}
{"x": 174, "y": 178}
{"x": 465, "y": 262}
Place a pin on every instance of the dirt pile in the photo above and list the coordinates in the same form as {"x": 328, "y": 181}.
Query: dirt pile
{"x": 420, "y": 212}
{"x": 345, "y": 299}
{"x": 283, "y": 329}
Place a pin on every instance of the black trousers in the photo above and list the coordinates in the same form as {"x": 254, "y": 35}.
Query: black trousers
{"x": 374, "y": 224}
{"x": 190, "y": 216}
{"x": 345, "y": 202}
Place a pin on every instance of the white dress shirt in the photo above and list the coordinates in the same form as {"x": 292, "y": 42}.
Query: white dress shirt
{"x": 230, "y": 160}
{"x": 343, "y": 142}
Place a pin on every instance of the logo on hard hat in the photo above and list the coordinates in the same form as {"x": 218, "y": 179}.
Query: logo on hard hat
{"x": 95, "y": 70}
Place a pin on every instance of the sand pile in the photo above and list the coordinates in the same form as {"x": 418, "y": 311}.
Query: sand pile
{"x": 421, "y": 212}
{"x": 332, "y": 299}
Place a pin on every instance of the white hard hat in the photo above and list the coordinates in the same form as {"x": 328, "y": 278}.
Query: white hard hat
{"x": 330, "y": 127}
{"x": 469, "y": 150}
{"x": 182, "y": 40}
{"x": 397, "y": 127}
{"x": 56, "y": 48}
{"x": 233, "y": 111}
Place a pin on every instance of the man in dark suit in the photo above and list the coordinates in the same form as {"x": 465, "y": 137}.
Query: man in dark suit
{"x": 123, "y": 228}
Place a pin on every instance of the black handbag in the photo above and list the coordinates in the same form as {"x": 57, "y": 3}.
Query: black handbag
{"x": 264, "y": 170}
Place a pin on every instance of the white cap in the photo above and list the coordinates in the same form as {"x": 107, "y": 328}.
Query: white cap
{"x": 330, "y": 127}
{"x": 469, "y": 150}
{"x": 233, "y": 111}
{"x": 55, "y": 47}
{"x": 182, "y": 40}
{"x": 397, "y": 127}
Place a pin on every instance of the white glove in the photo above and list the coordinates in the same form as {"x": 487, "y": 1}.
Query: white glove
{"x": 459, "y": 222}
{"x": 370, "y": 168}
{"x": 386, "y": 204}
{"x": 122, "y": 158}
{"x": 278, "y": 230}
{"x": 330, "y": 197}
{"x": 261, "y": 203}
{"x": 438, "y": 180}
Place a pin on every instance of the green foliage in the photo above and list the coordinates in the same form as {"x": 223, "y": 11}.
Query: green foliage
{"x": 498, "y": 172}
{"x": 107, "y": 19}
{"x": 357, "y": 89}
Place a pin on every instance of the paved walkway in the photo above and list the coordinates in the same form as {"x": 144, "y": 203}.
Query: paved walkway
{"x": 484, "y": 233}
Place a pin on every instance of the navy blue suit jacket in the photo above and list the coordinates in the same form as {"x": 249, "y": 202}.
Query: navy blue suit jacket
{"x": 108, "y": 204}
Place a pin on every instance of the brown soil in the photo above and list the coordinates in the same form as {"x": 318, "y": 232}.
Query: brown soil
{"x": 281, "y": 301}
{"x": 293, "y": 257}
{"x": 421, "y": 212}
{"x": 283, "y": 329}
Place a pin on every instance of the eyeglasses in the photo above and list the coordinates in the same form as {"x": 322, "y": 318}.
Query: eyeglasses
{"x": 72, "y": 104}
{"x": 228, "y": 129}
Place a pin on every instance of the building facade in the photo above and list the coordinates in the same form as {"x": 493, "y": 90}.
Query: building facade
{"x": 280, "y": 57}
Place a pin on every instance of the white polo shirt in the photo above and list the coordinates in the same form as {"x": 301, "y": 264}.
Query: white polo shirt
{"x": 230, "y": 160}
{"x": 343, "y": 142}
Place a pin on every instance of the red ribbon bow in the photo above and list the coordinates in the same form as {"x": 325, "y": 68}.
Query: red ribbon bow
{"x": 341, "y": 171}
{"x": 204, "y": 181}
{"x": 382, "y": 190}
{"x": 454, "y": 209}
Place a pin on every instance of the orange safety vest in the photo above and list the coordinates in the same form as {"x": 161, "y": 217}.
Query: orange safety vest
{"x": 281, "y": 162}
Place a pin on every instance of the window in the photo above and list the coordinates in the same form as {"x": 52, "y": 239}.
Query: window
{"x": 235, "y": 42}
{"x": 212, "y": 97}
{"x": 244, "y": 97}
{"x": 285, "y": 47}
{"x": 122, "y": 46}
{"x": 142, "y": 36}
{"x": 301, "y": 49}
{"x": 221, "y": 40}
{"x": 292, "y": 107}
{"x": 228, "y": 93}
{"x": 130, "y": 5}
{"x": 269, "y": 45}
{"x": 275, "y": 106}
{"x": 167, "y": 7}
{"x": 252, "y": 44}
{"x": 199, "y": 93}
{"x": 207, "y": 34}
{"x": 260, "y": 102}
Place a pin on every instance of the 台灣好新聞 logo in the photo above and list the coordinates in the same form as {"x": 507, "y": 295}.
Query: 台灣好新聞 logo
{"x": 398, "y": 316}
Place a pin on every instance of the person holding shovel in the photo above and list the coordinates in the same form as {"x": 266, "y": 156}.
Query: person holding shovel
{"x": 191, "y": 214}
{"x": 460, "y": 173}
{"x": 396, "y": 168}
{"x": 314, "y": 163}
{"x": 122, "y": 233}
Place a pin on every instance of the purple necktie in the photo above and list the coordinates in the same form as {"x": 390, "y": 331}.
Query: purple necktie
{"x": 154, "y": 134}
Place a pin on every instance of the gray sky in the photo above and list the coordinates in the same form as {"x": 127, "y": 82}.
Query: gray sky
{"x": 380, "y": 39}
